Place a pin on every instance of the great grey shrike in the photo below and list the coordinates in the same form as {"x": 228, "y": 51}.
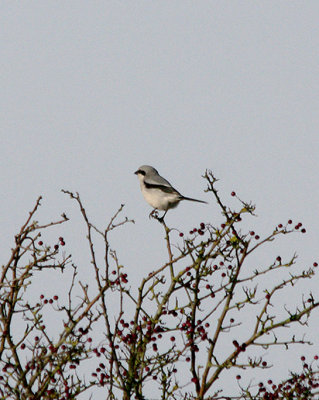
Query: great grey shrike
{"x": 158, "y": 192}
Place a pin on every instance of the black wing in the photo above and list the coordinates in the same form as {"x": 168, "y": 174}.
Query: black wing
{"x": 163, "y": 188}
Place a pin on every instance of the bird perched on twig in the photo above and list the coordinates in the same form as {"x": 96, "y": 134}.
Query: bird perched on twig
{"x": 158, "y": 192}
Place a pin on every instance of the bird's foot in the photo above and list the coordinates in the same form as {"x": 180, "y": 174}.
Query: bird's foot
{"x": 153, "y": 214}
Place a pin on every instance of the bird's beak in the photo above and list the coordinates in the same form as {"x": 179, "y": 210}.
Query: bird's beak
{"x": 136, "y": 172}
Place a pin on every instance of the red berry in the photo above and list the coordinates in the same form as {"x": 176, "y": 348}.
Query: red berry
{"x": 315, "y": 264}
{"x": 40, "y": 243}
{"x": 238, "y": 377}
{"x": 290, "y": 221}
{"x": 181, "y": 234}
{"x": 233, "y": 194}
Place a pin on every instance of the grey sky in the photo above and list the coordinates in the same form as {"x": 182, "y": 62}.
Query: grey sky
{"x": 92, "y": 90}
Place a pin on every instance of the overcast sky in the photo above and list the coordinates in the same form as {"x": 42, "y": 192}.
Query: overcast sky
{"x": 91, "y": 90}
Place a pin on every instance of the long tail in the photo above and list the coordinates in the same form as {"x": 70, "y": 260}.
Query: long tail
{"x": 190, "y": 199}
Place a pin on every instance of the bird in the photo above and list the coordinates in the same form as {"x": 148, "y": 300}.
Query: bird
{"x": 158, "y": 192}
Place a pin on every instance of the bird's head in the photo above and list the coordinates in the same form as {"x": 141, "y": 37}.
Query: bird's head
{"x": 145, "y": 170}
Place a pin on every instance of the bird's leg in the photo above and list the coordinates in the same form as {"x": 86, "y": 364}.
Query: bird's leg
{"x": 161, "y": 219}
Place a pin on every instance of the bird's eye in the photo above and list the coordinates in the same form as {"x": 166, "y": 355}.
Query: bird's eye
{"x": 140, "y": 171}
